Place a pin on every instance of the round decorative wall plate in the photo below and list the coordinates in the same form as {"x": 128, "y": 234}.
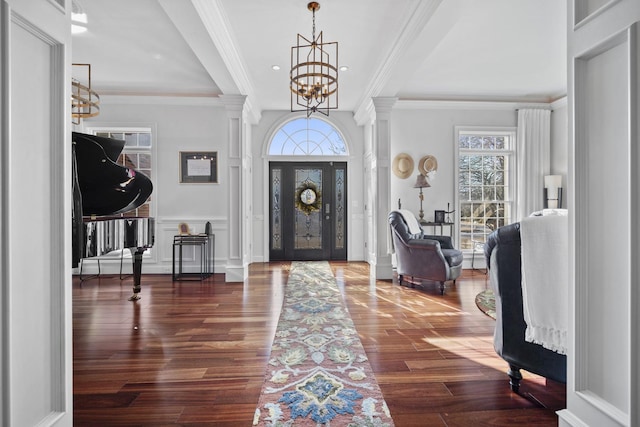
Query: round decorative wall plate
{"x": 402, "y": 166}
{"x": 427, "y": 164}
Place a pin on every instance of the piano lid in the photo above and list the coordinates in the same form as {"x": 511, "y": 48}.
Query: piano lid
{"x": 106, "y": 187}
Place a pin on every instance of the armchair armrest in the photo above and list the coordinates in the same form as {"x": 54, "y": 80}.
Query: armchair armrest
{"x": 428, "y": 244}
{"x": 445, "y": 241}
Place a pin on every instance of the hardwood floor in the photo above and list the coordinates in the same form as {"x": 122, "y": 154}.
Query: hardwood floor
{"x": 194, "y": 353}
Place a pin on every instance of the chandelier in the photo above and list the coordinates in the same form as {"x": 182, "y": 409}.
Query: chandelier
{"x": 85, "y": 102}
{"x": 313, "y": 76}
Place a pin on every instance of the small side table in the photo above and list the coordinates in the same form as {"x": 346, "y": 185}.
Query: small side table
{"x": 206, "y": 245}
{"x": 435, "y": 225}
{"x": 478, "y": 246}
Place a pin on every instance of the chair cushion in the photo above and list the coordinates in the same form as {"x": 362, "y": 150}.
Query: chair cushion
{"x": 453, "y": 256}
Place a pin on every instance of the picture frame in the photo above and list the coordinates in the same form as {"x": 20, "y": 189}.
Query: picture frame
{"x": 199, "y": 167}
{"x": 438, "y": 217}
{"x": 183, "y": 229}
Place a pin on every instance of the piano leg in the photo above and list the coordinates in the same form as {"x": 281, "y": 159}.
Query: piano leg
{"x": 137, "y": 272}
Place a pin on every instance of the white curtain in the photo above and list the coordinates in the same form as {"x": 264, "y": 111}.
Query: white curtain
{"x": 533, "y": 153}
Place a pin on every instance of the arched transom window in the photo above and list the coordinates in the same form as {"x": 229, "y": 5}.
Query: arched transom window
{"x": 307, "y": 137}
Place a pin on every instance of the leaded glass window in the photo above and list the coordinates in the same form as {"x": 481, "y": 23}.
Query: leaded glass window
{"x": 307, "y": 137}
{"x": 276, "y": 209}
{"x": 340, "y": 209}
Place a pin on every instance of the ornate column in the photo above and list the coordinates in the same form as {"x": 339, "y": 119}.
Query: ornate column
{"x": 237, "y": 266}
{"x": 380, "y": 173}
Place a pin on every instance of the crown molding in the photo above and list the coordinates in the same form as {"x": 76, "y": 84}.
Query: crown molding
{"x": 559, "y": 103}
{"x": 218, "y": 26}
{"x": 416, "y": 22}
{"x": 405, "y": 104}
{"x": 199, "y": 101}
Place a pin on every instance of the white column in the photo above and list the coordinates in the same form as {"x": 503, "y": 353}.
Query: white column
{"x": 237, "y": 267}
{"x": 380, "y": 172}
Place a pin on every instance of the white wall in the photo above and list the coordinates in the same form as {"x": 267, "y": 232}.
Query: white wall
{"x": 179, "y": 124}
{"x": 430, "y": 129}
{"x": 422, "y": 128}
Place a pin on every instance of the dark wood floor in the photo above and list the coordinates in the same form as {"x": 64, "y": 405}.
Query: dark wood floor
{"x": 195, "y": 353}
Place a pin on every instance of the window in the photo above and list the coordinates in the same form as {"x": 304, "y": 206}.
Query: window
{"x": 307, "y": 137}
{"x": 137, "y": 154}
{"x": 486, "y": 182}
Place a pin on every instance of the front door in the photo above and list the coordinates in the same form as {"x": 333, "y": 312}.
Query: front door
{"x": 308, "y": 211}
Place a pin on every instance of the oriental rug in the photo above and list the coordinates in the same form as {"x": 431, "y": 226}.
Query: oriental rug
{"x": 486, "y": 302}
{"x": 318, "y": 373}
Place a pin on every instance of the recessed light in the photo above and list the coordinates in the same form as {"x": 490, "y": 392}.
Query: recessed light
{"x": 275, "y": 67}
{"x": 344, "y": 68}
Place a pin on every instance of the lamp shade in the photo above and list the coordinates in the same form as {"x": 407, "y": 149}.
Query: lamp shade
{"x": 552, "y": 183}
{"x": 421, "y": 182}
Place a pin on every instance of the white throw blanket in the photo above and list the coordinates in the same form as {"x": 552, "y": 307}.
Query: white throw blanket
{"x": 412, "y": 223}
{"x": 545, "y": 280}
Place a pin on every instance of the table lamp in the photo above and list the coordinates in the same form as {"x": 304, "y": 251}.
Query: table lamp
{"x": 421, "y": 182}
{"x": 553, "y": 191}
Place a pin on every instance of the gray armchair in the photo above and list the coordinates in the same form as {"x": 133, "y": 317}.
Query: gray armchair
{"x": 423, "y": 256}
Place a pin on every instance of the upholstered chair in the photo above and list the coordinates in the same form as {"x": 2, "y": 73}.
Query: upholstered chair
{"x": 422, "y": 256}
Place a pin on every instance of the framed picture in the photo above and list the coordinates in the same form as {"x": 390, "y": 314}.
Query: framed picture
{"x": 199, "y": 167}
{"x": 438, "y": 217}
{"x": 183, "y": 229}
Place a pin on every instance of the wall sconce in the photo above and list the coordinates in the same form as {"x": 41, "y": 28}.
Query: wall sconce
{"x": 553, "y": 191}
{"x": 421, "y": 182}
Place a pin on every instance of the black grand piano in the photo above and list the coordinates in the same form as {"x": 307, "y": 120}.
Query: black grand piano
{"x": 103, "y": 189}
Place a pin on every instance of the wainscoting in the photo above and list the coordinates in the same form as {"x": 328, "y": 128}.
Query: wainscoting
{"x": 157, "y": 260}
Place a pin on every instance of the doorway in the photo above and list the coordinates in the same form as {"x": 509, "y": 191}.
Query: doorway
{"x": 307, "y": 211}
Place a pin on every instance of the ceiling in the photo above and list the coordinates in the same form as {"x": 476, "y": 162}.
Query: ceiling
{"x": 488, "y": 50}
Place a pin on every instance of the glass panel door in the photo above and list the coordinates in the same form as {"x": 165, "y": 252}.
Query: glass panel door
{"x": 307, "y": 211}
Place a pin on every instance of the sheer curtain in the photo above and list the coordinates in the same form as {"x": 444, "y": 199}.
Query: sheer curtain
{"x": 533, "y": 153}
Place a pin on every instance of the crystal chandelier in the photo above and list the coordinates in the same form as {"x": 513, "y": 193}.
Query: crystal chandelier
{"x": 313, "y": 76}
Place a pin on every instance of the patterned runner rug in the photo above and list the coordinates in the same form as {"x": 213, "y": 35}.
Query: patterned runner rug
{"x": 318, "y": 373}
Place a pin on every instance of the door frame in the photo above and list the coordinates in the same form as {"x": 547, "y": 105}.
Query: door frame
{"x": 328, "y": 251}
{"x": 47, "y": 332}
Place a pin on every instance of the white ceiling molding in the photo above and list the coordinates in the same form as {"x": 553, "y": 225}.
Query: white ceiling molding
{"x": 215, "y": 21}
{"x": 416, "y": 22}
{"x": 190, "y": 26}
{"x": 198, "y": 101}
{"x": 559, "y": 103}
{"x": 405, "y": 104}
